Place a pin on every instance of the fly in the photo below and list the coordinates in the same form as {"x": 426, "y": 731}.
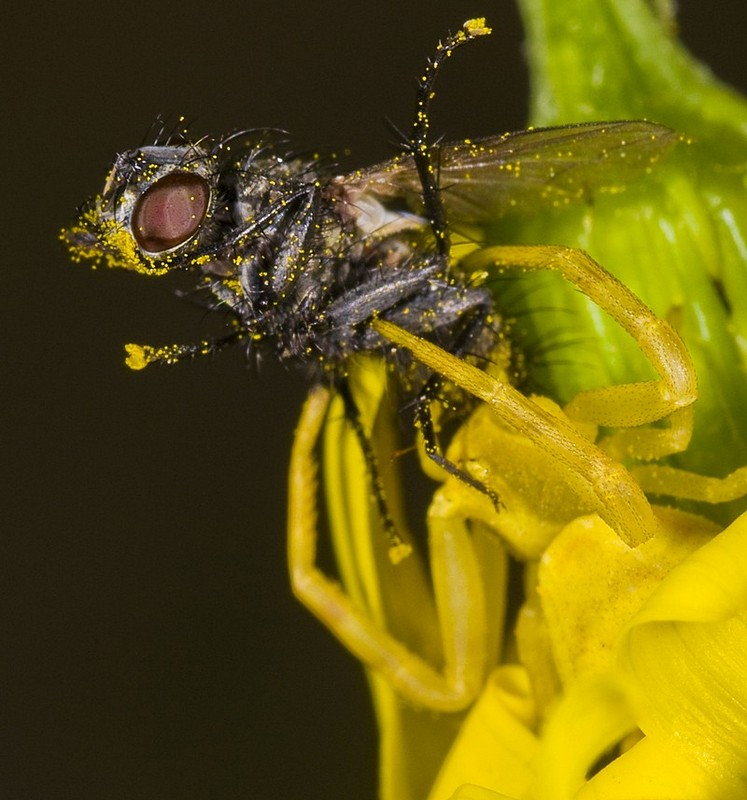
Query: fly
{"x": 305, "y": 261}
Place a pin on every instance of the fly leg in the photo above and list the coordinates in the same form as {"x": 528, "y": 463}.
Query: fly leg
{"x": 140, "y": 356}
{"x": 431, "y": 391}
{"x": 431, "y": 444}
{"x": 420, "y": 148}
{"x": 264, "y": 277}
{"x": 419, "y": 145}
{"x": 398, "y": 548}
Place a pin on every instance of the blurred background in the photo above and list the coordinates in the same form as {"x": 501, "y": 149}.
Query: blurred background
{"x": 150, "y": 645}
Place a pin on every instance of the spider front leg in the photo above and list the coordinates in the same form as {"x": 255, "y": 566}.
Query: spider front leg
{"x": 457, "y": 576}
{"x": 603, "y": 483}
{"x": 627, "y": 405}
{"x": 633, "y": 404}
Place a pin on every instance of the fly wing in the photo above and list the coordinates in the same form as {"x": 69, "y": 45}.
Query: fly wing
{"x": 524, "y": 171}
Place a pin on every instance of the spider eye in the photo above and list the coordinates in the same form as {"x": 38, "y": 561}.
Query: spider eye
{"x": 170, "y": 211}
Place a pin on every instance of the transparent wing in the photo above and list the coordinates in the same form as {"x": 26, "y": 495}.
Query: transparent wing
{"x": 523, "y": 171}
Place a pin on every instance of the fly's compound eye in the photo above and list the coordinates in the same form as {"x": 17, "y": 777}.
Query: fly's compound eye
{"x": 170, "y": 211}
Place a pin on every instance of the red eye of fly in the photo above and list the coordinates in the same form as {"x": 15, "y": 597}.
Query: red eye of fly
{"x": 169, "y": 212}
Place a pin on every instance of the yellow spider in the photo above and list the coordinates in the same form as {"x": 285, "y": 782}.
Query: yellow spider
{"x": 536, "y": 457}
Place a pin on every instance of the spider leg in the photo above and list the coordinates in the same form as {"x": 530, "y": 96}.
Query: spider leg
{"x": 458, "y": 586}
{"x": 686, "y": 485}
{"x": 614, "y": 494}
{"x": 632, "y": 405}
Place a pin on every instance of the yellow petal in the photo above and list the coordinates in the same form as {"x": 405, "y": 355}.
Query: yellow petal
{"x": 592, "y": 717}
{"x": 495, "y": 746}
{"x": 469, "y": 791}
{"x": 650, "y": 772}
{"x": 687, "y": 654}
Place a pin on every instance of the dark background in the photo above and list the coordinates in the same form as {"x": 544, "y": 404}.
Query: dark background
{"x": 150, "y": 645}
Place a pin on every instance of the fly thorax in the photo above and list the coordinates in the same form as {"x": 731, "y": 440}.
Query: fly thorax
{"x": 371, "y": 218}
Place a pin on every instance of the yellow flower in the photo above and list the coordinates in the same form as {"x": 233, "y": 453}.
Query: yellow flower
{"x": 620, "y": 673}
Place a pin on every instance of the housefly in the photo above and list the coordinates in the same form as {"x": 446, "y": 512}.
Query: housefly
{"x": 303, "y": 260}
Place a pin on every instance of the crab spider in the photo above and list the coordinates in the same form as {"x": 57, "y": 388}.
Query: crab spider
{"x": 557, "y": 451}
